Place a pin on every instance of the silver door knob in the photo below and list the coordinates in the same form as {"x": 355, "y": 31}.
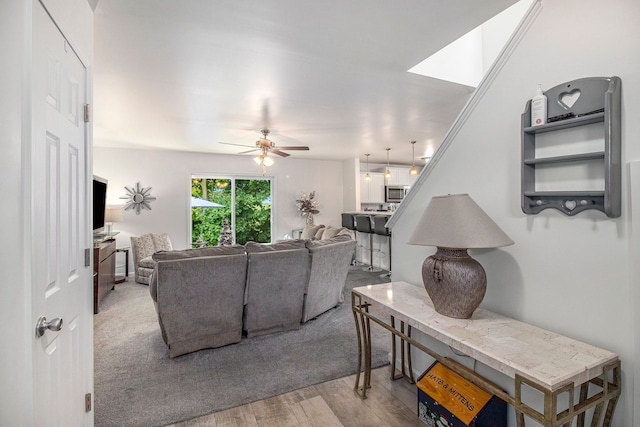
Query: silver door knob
{"x": 42, "y": 325}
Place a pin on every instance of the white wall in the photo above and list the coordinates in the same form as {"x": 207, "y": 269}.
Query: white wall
{"x": 169, "y": 175}
{"x": 571, "y": 275}
{"x": 16, "y": 407}
{"x": 351, "y": 187}
{"x": 634, "y": 254}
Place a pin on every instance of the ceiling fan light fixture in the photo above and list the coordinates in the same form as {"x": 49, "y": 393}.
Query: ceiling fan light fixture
{"x": 267, "y": 148}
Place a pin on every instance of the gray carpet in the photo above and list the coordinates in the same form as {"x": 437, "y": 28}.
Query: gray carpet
{"x": 136, "y": 384}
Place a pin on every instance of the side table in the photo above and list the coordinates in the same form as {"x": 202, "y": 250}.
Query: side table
{"x": 125, "y": 278}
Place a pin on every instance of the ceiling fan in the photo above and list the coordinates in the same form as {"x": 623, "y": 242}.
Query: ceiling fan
{"x": 266, "y": 147}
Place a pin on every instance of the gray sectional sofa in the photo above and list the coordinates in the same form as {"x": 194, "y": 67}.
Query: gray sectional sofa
{"x": 213, "y": 296}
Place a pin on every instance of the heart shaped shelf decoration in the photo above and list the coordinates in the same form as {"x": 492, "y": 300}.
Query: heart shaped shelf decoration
{"x": 568, "y": 99}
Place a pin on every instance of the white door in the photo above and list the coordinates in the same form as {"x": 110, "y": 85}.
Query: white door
{"x": 61, "y": 283}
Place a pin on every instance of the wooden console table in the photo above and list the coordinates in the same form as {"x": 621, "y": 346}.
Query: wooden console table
{"x": 541, "y": 360}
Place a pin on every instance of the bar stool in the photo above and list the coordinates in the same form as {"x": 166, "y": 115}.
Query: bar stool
{"x": 363, "y": 225}
{"x": 348, "y": 222}
{"x": 380, "y": 228}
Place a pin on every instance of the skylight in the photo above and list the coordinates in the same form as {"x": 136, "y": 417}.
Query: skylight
{"x": 466, "y": 60}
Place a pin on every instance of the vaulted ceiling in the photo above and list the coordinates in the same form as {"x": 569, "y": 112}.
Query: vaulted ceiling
{"x": 185, "y": 75}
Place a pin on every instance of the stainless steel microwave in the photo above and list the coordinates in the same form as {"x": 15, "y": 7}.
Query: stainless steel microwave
{"x": 394, "y": 193}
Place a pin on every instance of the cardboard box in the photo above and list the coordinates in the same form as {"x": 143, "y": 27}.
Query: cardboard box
{"x": 445, "y": 399}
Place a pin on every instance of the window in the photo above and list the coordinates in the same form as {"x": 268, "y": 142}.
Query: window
{"x": 244, "y": 202}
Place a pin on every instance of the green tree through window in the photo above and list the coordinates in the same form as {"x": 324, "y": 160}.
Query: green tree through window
{"x": 246, "y": 204}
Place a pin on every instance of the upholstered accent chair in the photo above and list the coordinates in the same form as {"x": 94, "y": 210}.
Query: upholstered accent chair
{"x": 143, "y": 247}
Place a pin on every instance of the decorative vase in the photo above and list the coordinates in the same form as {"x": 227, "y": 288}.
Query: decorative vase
{"x": 455, "y": 282}
{"x": 309, "y": 219}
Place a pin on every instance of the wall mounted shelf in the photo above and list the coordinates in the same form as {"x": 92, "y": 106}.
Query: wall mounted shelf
{"x": 586, "y": 101}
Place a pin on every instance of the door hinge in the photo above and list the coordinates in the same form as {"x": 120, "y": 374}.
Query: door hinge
{"x": 87, "y": 112}
{"x": 87, "y": 257}
{"x": 87, "y": 402}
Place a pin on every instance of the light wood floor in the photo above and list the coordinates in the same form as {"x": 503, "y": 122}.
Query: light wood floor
{"x": 334, "y": 403}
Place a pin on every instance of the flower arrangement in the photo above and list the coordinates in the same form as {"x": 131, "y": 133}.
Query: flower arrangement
{"x": 307, "y": 206}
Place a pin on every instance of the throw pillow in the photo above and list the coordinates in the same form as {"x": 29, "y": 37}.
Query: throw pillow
{"x": 330, "y": 232}
{"x": 318, "y": 235}
{"x": 310, "y": 231}
{"x": 268, "y": 247}
{"x": 346, "y": 232}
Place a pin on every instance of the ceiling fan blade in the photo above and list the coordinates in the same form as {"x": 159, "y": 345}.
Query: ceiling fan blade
{"x": 231, "y": 143}
{"x": 279, "y": 153}
{"x": 249, "y": 151}
{"x": 299, "y": 147}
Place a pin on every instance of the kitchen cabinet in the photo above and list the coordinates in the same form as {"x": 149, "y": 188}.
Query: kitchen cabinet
{"x": 372, "y": 191}
{"x": 399, "y": 176}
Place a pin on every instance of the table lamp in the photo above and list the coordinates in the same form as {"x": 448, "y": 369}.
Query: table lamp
{"x": 112, "y": 215}
{"x": 455, "y": 282}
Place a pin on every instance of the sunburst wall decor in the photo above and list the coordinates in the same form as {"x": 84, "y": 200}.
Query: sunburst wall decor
{"x": 138, "y": 198}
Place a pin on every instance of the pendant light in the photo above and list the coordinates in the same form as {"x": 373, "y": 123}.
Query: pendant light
{"x": 387, "y": 173}
{"x": 413, "y": 171}
{"x": 367, "y": 177}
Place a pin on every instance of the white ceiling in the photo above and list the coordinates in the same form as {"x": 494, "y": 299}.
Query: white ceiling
{"x": 184, "y": 75}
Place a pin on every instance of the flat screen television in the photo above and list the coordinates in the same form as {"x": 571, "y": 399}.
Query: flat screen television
{"x": 99, "y": 204}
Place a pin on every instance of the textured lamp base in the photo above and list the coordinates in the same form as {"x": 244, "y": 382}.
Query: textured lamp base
{"x": 455, "y": 282}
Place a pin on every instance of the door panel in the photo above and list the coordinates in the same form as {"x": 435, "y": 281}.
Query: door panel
{"x": 61, "y": 282}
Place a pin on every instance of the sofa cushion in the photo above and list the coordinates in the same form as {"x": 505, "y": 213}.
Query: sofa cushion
{"x": 317, "y": 243}
{"x": 198, "y": 252}
{"x": 147, "y": 262}
{"x": 279, "y": 246}
{"x": 184, "y": 254}
{"x": 346, "y": 232}
{"x": 310, "y": 231}
{"x": 330, "y": 232}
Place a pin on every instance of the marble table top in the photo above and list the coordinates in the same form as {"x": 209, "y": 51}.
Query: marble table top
{"x": 507, "y": 345}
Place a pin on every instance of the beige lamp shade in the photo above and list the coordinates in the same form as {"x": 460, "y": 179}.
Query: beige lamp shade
{"x": 113, "y": 215}
{"x": 456, "y": 221}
